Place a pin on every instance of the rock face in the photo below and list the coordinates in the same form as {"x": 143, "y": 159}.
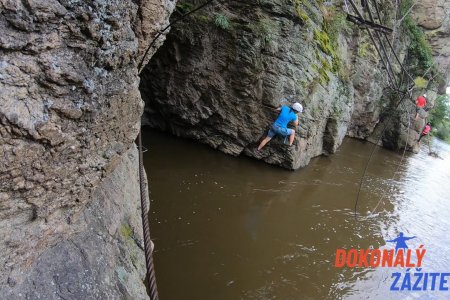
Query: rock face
{"x": 104, "y": 258}
{"x": 434, "y": 17}
{"x": 221, "y": 72}
{"x": 69, "y": 111}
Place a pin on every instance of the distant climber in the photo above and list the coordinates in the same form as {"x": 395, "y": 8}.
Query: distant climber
{"x": 426, "y": 130}
{"x": 287, "y": 115}
{"x": 421, "y": 101}
{"x": 400, "y": 241}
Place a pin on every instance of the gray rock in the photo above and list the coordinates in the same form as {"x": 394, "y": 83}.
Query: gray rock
{"x": 104, "y": 259}
{"x": 69, "y": 109}
{"x": 218, "y": 85}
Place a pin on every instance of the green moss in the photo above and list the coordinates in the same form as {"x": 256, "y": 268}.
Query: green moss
{"x": 419, "y": 46}
{"x": 222, "y": 22}
{"x": 323, "y": 76}
{"x": 303, "y": 16}
{"x": 265, "y": 29}
{"x": 363, "y": 49}
{"x": 126, "y": 231}
{"x": 325, "y": 63}
{"x": 327, "y": 36}
{"x": 421, "y": 82}
{"x": 334, "y": 24}
{"x": 325, "y": 67}
{"x": 184, "y": 7}
{"x": 127, "y": 234}
{"x": 323, "y": 41}
{"x": 203, "y": 18}
{"x": 299, "y": 6}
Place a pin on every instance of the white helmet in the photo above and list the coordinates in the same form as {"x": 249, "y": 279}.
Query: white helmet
{"x": 425, "y": 95}
{"x": 297, "y": 107}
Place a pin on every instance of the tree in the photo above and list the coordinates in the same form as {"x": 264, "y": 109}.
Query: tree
{"x": 440, "y": 117}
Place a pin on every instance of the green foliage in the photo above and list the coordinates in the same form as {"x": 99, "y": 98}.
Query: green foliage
{"x": 266, "y": 29}
{"x": 301, "y": 12}
{"x": 440, "y": 118}
{"x": 222, "y": 22}
{"x": 335, "y": 23}
{"x": 202, "y": 18}
{"x": 420, "y": 82}
{"x": 443, "y": 132}
{"x": 419, "y": 46}
{"x": 367, "y": 50}
{"x": 184, "y": 7}
{"x": 326, "y": 38}
{"x": 322, "y": 70}
{"x": 441, "y": 110}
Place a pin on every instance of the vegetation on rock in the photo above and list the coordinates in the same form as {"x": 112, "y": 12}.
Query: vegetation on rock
{"x": 419, "y": 46}
{"x": 440, "y": 118}
{"x": 222, "y": 22}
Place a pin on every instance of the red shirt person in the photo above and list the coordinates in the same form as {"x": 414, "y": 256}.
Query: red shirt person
{"x": 425, "y": 131}
{"x": 421, "y": 101}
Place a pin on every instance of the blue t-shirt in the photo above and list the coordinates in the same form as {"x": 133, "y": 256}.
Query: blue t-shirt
{"x": 286, "y": 116}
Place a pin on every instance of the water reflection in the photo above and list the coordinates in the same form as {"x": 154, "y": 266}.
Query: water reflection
{"x": 235, "y": 228}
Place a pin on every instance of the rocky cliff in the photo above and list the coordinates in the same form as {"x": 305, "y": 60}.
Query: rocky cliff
{"x": 427, "y": 25}
{"x": 221, "y": 72}
{"x": 69, "y": 113}
{"x": 434, "y": 17}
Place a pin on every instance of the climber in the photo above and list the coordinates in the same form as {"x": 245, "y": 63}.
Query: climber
{"x": 421, "y": 101}
{"x": 287, "y": 115}
{"x": 425, "y": 131}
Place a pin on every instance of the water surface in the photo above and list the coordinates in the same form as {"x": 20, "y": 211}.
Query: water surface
{"x": 235, "y": 228}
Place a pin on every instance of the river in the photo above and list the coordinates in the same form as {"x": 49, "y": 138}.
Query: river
{"x": 235, "y": 228}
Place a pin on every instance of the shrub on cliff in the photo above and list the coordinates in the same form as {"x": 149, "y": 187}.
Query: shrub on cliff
{"x": 440, "y": 118}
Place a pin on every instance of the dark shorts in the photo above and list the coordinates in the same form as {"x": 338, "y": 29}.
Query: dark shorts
{"x": 283, "y": 131}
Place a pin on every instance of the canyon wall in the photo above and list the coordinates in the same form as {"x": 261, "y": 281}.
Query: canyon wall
{"x": 222, "y": 71}
{"x": 70, "y": 111}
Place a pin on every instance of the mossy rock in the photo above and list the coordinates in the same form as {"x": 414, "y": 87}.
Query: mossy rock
{"x": 185, "y": 7}
{"x": 126, "y": 231}
{"x": 323, "y": 41}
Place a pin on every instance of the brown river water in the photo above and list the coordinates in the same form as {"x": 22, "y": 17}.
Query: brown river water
{"x": 235, "y": 228}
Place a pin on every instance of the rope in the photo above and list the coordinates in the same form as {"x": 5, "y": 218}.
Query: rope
{"x": 389, "y": 42}
{"x": 371, "y": 155}
{"x": 391, "y": 79}
{"x": 409, "y": 90}
{"x": 148, "y": 244}
{"x": 404, "y": 95}
{"x": 401, "y": 160}
{"x": 381, "y": 43}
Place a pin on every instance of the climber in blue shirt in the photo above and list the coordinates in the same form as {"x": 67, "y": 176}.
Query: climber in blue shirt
{"x": 287, "y": 115}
